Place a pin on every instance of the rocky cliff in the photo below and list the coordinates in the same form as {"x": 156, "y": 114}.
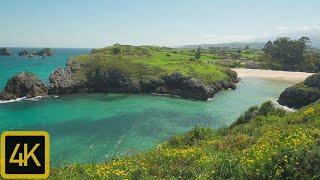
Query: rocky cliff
{"x": 65, "y": 81}
{"x": 23, "y": 85}
{"x": 302, "y": 94}
{"x": 43, "y": 53}
{"x": 5, "y": 52}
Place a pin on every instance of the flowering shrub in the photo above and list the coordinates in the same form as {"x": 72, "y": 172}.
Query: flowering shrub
{"x": 269, "y": 146}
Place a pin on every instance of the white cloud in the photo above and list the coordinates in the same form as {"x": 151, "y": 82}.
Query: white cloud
{"x": 213, "y": 38}
{"x": 294, "y": 29}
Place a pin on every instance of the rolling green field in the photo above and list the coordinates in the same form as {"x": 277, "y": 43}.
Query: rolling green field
{"x": 142, "y": 61}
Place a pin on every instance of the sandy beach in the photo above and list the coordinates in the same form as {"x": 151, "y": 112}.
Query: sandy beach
{"x": 295, "y": 77}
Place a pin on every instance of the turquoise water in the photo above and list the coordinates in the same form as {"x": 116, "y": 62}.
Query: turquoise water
{"x": 94, "y": 127}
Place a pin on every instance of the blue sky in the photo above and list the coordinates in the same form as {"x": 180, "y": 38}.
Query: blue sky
{"x": 98, "y": 23}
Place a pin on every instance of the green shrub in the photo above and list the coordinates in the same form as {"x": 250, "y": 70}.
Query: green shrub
{"x": 192, "y": 137}
{"x": 265, "y": 109}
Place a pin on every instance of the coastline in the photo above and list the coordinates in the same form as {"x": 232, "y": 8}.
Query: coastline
{"x": 286, "y": 76}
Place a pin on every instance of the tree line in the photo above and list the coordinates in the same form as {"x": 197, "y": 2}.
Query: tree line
{"x": 291, "y": 55}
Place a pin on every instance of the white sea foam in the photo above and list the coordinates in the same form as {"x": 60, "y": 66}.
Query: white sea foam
{"x": 37, "y": 98}
{"x": 21, "y": 99}
{"x": 13, "y": 100}
{"x": 283, "y": 107}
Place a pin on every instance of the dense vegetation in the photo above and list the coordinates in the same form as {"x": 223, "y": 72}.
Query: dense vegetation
{"x": 291, "y": 55}
{"x": 269, "y": 144}
{"x": 281, "y": 54}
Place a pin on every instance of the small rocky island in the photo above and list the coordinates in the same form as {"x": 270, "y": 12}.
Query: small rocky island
{"x": 131, "y": 69}
{"x": 24, "y": 85}
{"x": 5, "y": 52}
{"x": 302, "y": 94}
{"x": 42, "y": 53}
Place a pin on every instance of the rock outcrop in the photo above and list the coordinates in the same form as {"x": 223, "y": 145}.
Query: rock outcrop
{"x": 25, "y": 53}
{"x": 177, "y": 84}
{"x": 302, "y": 94}
{"x": 43, "y": 53}
{"x": 65, "y": 81}
{"x": 5, "y": 52}
{"x": 24, "y": 85}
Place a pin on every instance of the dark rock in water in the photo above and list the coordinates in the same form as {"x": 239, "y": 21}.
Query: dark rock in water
{"x": 24, "y": 85}
{"x": 298, "y": 96}
{"x": 302, "y": 94}
{"x": 162, "y": 90}
{"x": 119, "y": 82}
{"x": 72, "y": 79}
{"x": 150, "y": 84}
{"x": 5, "y": 52}
{"x": 44, "y": 52}
{"x": 25, "y": 53}
{"x": 313, "y": 81}
{"x": 63, "y": 82}
{"x": 185, "y": 87}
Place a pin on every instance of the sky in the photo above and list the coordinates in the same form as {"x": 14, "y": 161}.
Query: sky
{"x": 99, "y": 23}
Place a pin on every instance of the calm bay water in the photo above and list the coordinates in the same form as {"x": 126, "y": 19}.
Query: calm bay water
{"x": 94, "y": 127}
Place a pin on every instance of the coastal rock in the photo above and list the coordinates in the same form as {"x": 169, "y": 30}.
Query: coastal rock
{"x": 24, "y": 85}
{"x": 63, "y": 82}
{"x": 151, "y": 84}
{"x": 302, "y": 94}
{"x": 114, "y": 81}
{"x": 44, "y": 52}
{"x": 298, "y": 96}
{"x": 25, "y": 53}
{"x": 5, "y": 52}
{"x": 313, "y": 81}
{"x": 76, "y": 78}
{"x": 178, "y": 84}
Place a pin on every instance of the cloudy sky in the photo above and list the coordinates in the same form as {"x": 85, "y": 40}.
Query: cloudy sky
{"x": 97, "y": 23}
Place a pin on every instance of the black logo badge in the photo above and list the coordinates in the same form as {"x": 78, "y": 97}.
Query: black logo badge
{"x": 25, "y": 154}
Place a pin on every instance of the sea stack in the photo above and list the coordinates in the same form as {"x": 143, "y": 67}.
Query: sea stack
{"x": 5, "y": 52}
{"x": 302, "y": 94}
{"x": 24, "y": 85}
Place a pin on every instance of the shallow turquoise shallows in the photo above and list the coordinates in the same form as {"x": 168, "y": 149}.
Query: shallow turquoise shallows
{"x": 95, "y": 127}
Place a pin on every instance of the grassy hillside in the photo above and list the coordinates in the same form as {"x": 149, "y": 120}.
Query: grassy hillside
{"x": 142, "y": 61}
{"x": 264, "y": 143}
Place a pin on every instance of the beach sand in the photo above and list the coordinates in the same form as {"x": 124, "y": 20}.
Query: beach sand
{"x": 293, "y": 77}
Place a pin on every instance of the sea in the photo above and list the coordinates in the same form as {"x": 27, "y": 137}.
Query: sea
{"x": 96, "y": 127}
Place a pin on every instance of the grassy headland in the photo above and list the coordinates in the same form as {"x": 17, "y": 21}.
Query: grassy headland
{"x": 143, "y": 69}
{"x": 139, "y": 61}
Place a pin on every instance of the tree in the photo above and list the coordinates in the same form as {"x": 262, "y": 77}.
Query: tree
{"x": 235, "y": 55}
{"x": 115, "y": 50}
{"x": 197, "y": 54}
{"x": 286, "y": 52}
{"x": 247, "y": 47}
{"x": 268, "y": 47}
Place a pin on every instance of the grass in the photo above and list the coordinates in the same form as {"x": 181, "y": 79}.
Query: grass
{"x": 270, "y": 144}
{"x": 142, "y": 61}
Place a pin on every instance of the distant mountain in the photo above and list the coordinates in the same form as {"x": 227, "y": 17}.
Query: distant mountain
{"x": 253, "y": 45}
{"x": 233, "y": 45}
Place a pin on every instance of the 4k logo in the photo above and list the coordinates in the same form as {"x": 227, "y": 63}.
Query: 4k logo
{"x": 24, "y": 154}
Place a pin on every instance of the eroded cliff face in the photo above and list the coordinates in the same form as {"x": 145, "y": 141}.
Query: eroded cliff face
{"x": 302, "y": 94}
{"x": 5, "y": 52}
{"x": 66, "y": 80}
{"x": 24, "y": 85}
